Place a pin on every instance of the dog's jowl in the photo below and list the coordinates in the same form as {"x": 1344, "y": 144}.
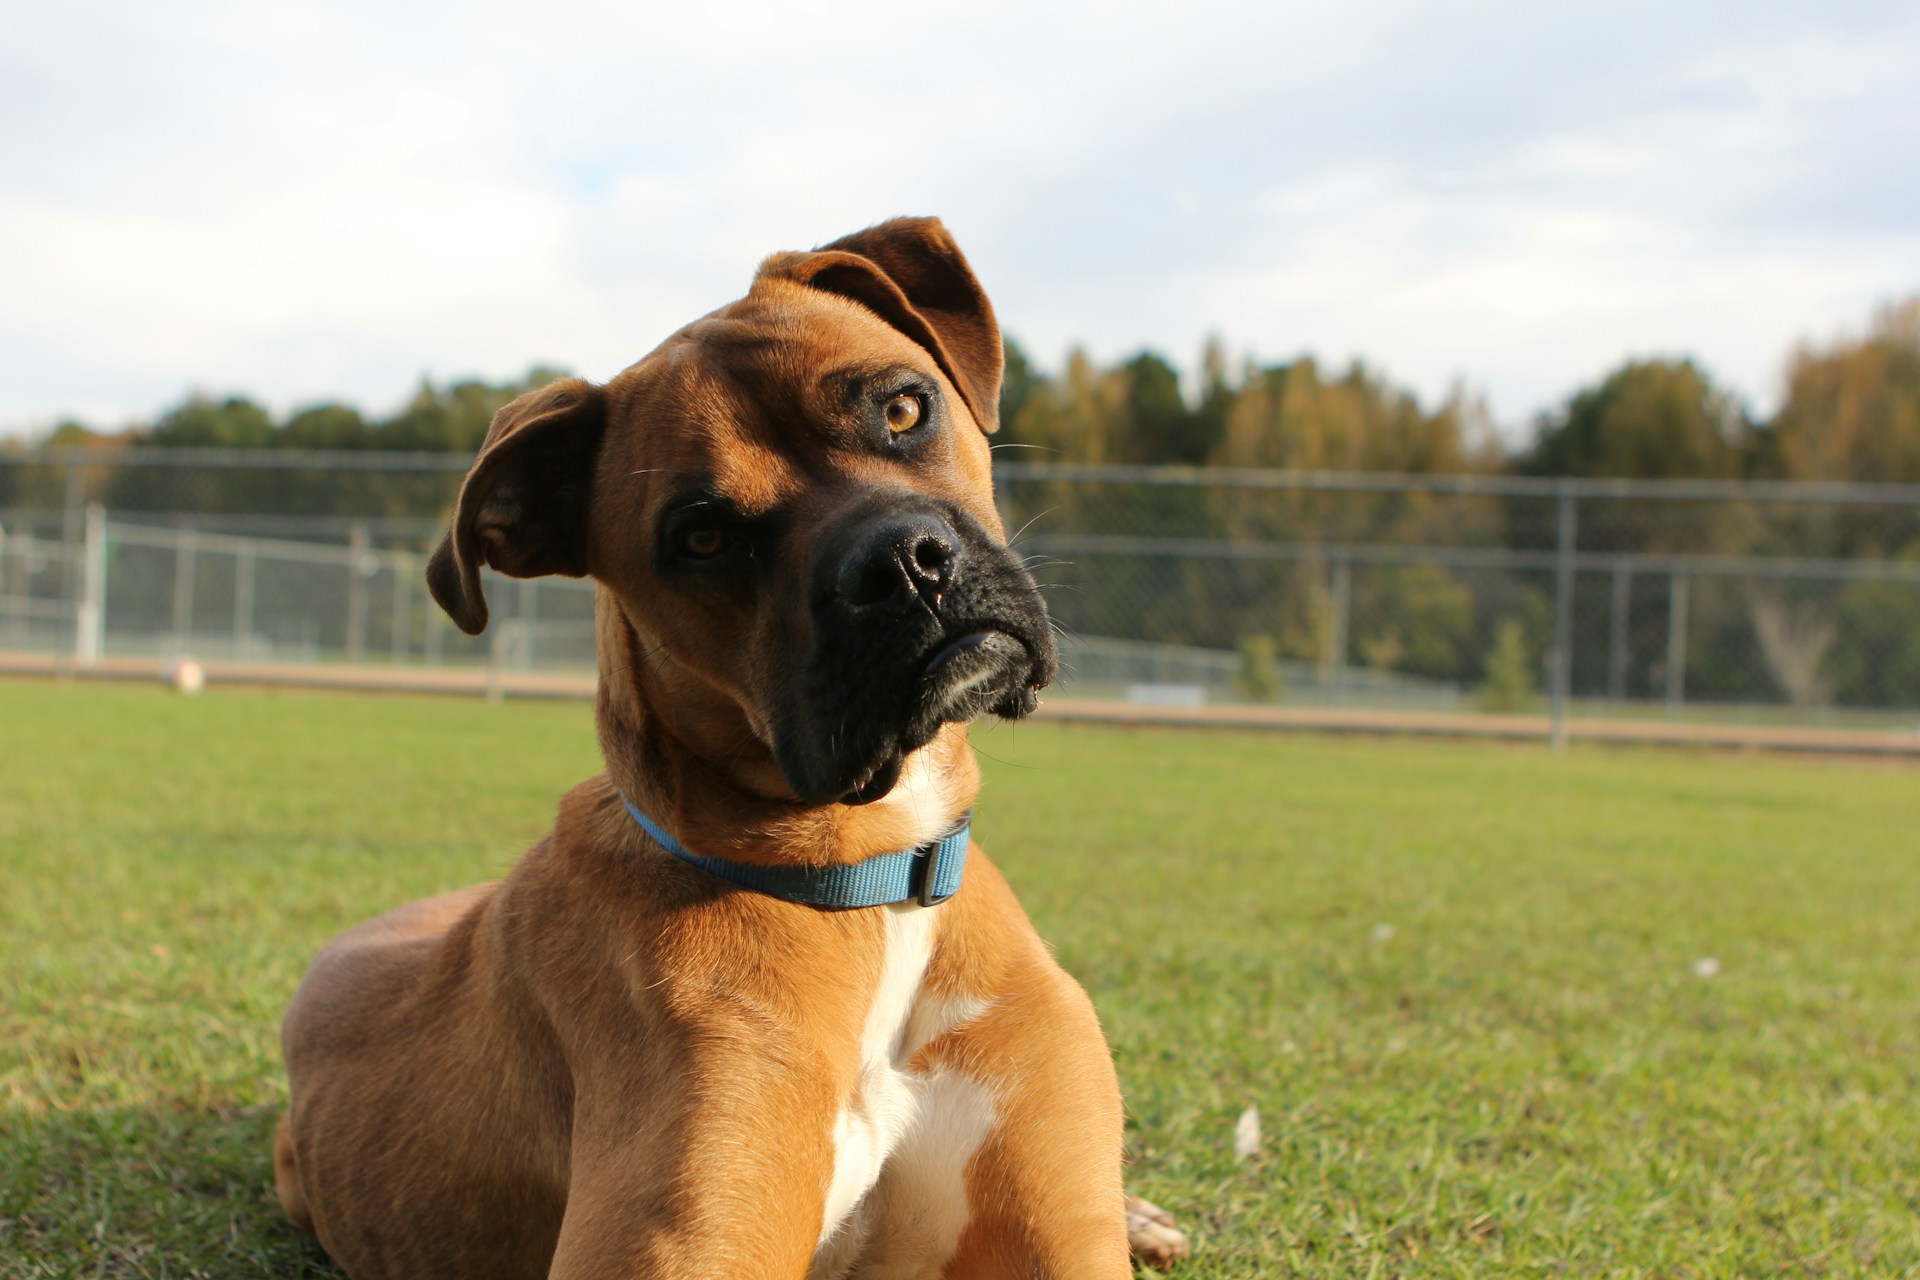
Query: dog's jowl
{"x": 756, "y": 1006}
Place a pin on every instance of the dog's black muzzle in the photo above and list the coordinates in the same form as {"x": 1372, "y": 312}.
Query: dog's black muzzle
{"x": 920, "y": 617}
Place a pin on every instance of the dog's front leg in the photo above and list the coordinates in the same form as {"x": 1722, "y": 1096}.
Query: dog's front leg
{"x": 1044, "y": 1189}
{"x": 722, "y": 1179}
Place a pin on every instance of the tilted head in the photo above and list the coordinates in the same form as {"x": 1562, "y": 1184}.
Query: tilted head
{"x": 788, "y": 506}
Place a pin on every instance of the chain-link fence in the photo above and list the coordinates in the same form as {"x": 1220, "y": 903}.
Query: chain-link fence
{"x": 1797, "y": 603}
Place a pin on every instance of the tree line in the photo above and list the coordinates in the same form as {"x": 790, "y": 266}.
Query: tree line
{"x": 1850, "y": 412}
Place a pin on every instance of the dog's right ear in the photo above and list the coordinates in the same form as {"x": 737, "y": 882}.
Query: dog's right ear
{"x": 523, "y": 506}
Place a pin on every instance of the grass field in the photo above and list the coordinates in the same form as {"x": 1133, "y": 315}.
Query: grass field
{"x": 1459, "y": 981}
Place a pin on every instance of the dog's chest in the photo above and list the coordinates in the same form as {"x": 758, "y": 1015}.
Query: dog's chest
{"x": 896, "y": 1202}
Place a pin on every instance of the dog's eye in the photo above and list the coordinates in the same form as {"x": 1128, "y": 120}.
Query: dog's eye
{"x": 904, "y": 413}
{"x": 703, "y": 542}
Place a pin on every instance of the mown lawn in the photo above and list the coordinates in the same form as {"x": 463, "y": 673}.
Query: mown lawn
{"x": 1463, "y": 984}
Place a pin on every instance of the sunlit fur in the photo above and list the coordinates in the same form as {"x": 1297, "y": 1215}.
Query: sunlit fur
{"x": 610, "y": 1064}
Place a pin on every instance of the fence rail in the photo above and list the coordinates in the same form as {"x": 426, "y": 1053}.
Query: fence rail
{"x": 1488, "y": 484}
{"x": 1783, "y": 602}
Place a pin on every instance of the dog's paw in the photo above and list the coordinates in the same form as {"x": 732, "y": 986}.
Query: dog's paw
{"x": 1151, "y": 1234}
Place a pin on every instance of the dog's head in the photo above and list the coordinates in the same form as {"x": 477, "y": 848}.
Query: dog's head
{"x": 789, "y": 508}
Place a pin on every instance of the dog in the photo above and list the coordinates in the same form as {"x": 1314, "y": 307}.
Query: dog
{"x": 756, "y": 1006}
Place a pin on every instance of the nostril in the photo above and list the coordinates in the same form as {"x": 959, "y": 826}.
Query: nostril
{"x": 875, "y": 582}
{"x": 933, "y": 557}
{"x": 900, "y": 564}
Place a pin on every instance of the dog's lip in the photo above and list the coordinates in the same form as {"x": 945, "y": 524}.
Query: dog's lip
{"x": 966, "y": 669}
{"x": 880, "y": 780}
{"x": 998, "y": 642}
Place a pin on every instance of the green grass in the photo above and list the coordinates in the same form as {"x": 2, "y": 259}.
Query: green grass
{"x": 1457, "y": 980}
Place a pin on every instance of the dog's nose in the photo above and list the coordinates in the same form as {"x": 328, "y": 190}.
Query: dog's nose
{"x": 900, "y": 562}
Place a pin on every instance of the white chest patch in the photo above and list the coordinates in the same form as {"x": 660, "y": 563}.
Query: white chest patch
{"x": 896, "y": 1203}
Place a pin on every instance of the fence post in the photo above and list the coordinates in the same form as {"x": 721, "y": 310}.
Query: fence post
{"x": 356, "y": 593}
{"x": 1677, "y": 606}
{"x": 242, "y": 602}
{"x": 401, "y": 639}
{"x": 528, "y": 610}
{"x": 184, "y": 555}
{"x": 90, "y": 615}
{"x": 72, "y": 520}
{"x": 1617, "y": 632}
{"x": 500, "y": 648}
{"x": 1339, "y": 616}
{"x": 1563, "y": 617}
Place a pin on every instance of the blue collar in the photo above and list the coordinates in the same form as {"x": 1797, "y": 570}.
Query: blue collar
{"x": 928, "y": 875}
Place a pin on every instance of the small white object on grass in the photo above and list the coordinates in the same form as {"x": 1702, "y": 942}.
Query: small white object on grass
{"x": 1706, "y": 967}
{"x": 1382, "y": 932}
{"x": 184, "y": 675}
{"x": 1246, "y": 1134}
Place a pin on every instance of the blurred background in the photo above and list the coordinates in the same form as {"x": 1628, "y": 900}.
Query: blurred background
{"x": 1480, "y": 362}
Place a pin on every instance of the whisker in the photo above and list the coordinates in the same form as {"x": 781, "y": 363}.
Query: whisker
{"x": 1029, "y": 524}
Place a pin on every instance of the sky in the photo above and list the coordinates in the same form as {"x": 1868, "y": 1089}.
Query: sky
{"x": 306, "y": 202}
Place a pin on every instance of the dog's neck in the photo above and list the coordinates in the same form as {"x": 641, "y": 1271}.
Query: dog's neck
{"x": 706, "y": 772}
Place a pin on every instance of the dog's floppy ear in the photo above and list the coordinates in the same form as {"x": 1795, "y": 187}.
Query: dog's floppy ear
{"x": 911, "y": 273}
{"x": 523, "y": 506}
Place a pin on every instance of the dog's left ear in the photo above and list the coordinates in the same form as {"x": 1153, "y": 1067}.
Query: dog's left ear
{"x": 911, "y": 273}
{"x": 523, "y": 506}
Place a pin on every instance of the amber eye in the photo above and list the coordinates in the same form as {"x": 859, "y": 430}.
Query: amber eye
{"x": 705, "y": 541}
{"x": 904, "y": 414}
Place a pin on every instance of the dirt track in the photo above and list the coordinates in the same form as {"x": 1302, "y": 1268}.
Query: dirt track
{"x": 475, "y": 682}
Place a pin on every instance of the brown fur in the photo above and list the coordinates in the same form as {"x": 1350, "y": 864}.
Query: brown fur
{"x": 610, "y": 1064}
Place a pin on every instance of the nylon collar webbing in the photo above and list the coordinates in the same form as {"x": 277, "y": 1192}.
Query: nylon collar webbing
{"x": 927, "y": 875}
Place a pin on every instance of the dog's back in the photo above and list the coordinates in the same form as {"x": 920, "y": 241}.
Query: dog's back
{"x": 415, "y": 1089}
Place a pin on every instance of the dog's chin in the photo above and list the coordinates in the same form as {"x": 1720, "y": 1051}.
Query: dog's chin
{"x": 979, "y": 673}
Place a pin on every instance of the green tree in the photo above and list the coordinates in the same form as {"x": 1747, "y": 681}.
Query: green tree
{"x": 1648, "y": 419}
{"x": 1217, "y": 396}
{"x": 324, "y": 426}
{"x": 1258, "y": 677}
{"x": 1851, "y": 413}
{"x": 1157, "y": 426}
{"x": 73, "y": 434}
{"x": 1292, "y": 416}
{"x": 1852, "y": 410}
{"x": 453, "y": 418}
{"x": 1414, "y": 618}
{"x": 1875, "y": 660}
{"x": 1076, "y": 415}
{"x": 1019, "y": 381}
{"x": 1508, "y": 684}
{"x": 208, "y": 423}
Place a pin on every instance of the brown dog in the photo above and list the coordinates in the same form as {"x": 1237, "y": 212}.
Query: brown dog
{"x": 632, "y": 1057}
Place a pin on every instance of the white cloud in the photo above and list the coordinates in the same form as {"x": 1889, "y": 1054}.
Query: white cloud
{"x": 306, "y": 201}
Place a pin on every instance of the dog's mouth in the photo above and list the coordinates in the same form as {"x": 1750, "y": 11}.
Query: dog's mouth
{"x": 981, "y": 672}
{"x": 920, "y": 618}
{"x": 968, "y": 675}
